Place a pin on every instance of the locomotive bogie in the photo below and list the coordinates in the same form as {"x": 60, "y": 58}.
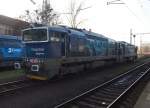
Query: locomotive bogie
{"x": 46, "y": 70}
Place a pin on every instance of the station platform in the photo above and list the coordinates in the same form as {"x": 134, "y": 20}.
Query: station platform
{"x": 144, "y": 99}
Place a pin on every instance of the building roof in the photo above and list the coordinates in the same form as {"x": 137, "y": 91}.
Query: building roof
{"x": 11, "y": 21}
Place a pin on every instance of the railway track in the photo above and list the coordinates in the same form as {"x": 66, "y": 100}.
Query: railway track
{"x": 109, "y": 94}
{"x": 15, "y": 85}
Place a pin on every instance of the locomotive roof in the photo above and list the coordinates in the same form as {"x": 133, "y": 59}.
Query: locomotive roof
{"x": 126, "y": 43}
{"x": 61, "y": 29}
{"x": 111, "y": 40}
{"x": 92, "y": 33}
{"x": 66, "y": 29}
{"x": 57, "y": 28}
{"x": 79, "y": 32}
{"x": 10, "y": 37}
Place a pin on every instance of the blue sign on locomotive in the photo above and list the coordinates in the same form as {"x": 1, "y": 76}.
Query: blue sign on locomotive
{"x": 11, "y": 51}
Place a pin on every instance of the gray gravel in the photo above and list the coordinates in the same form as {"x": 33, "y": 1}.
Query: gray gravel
{"x": 56, "y": 91}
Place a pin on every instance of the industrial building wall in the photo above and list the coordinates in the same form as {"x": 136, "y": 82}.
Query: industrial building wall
{"x": 11, "y": 26}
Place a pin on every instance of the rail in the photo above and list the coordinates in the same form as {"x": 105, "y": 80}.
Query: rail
{"x": 108, "y": 94}
{"x": 14, "y": 85}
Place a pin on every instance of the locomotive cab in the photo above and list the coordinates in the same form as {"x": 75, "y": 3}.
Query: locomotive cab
{"x": 44, "y": 48}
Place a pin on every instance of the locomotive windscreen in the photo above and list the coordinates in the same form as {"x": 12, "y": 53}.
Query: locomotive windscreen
{"x": 32, "y": 35}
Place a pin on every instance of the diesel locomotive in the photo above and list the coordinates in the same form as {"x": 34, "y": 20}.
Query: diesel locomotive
{"x": 59, "y": 50}
{"x": 11, "y": 51}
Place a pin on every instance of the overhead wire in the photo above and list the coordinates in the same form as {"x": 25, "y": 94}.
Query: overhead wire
{"x": 132, "y": 12}
{"x": 122, "y": 2}
{"x": 140, "y": 3}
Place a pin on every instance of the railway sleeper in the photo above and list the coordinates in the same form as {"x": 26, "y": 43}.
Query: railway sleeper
{"x": 119, "y": 87}
{"x": 108, "y": 93}
{"x": 103, "y": 93}
{"x": 83, "y": 104}
{"x": 122, "y": 86}
{"x": 101, "y": 102}
{"x": 99, "y": 96}
{"x": 112, "y": 90}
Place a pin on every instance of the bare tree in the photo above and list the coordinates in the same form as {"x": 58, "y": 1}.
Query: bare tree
{"x": 74, "y": 12}
{"x": 43, "y": 15}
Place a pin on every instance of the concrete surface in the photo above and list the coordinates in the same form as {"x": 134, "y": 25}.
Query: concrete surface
{"x": 144, "y": 99}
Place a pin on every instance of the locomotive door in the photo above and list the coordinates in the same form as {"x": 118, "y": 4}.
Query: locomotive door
{"x": 64, "y": 45}
{"x": 59, "y": 44}
{"x": 120, "y": 52}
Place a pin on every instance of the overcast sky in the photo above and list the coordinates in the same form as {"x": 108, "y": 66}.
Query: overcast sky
{"x": 114, "y": 21}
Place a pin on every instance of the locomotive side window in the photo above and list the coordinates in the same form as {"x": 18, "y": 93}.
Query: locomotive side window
{"x": 55, "y": 37}
{"x": 81, "y": 45}
{"x": 92, "y": 48}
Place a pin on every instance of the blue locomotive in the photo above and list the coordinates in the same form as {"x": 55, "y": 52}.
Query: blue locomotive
{"x": 60, "y": 50}
{"x": 11, "y": 51}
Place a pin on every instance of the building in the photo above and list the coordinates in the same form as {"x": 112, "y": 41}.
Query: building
{"x": 145, "y": 49}
{"x": 11, "y": 26}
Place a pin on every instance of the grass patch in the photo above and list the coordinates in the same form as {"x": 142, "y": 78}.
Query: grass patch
{"x": 7, "y": 74}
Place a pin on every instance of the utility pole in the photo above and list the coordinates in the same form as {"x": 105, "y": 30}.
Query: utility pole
{"x": 134, "y": 38}
{"x": 131, "y": 36}
{"x": 140, "y": 34}
{"x": 122, "y": 2}
{"x": 141, "y": 45}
